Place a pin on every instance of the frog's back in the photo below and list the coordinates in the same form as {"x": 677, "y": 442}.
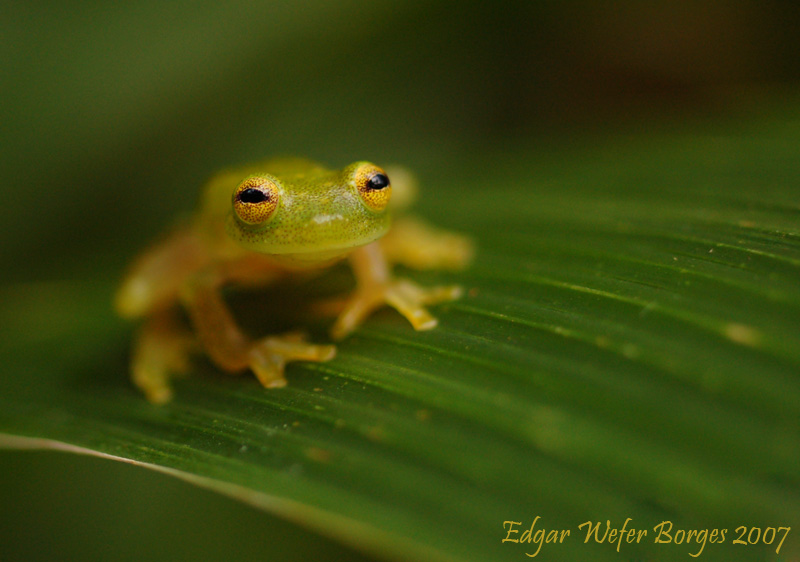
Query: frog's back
{"x": 216, "y": 201}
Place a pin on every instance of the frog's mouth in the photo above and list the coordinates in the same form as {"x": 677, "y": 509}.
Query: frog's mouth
{"x": 319, "y": 258}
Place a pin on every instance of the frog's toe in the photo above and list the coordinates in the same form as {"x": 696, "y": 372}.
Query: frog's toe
{"x": 409, "y": 299}
{"x": 162, "y": 351}
{"x": 268, "y": 356}
{"x": 405, "y": 296}
{"x": 356, "y": 310}
{"x": 154, "y": 365}
{"x": 155, "y": 388}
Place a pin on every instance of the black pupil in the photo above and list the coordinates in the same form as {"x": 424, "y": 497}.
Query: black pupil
{"x": 378, "y": 181}
{"x": 253, "y": 195}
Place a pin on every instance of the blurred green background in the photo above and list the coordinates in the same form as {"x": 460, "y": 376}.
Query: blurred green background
{"x": 113, "y": 114}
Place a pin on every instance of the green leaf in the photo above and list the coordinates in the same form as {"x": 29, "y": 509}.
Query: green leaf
{"x": 629, "y": 347}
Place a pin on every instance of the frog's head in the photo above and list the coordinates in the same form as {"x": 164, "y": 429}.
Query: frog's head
{"x": 311, "y": 214}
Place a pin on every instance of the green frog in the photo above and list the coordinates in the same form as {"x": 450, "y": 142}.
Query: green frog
{"x": 264, "y": 222}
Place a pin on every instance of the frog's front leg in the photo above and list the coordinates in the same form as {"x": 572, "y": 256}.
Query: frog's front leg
{"x": 230, "y": 348}
{"x": 376, "y": 287}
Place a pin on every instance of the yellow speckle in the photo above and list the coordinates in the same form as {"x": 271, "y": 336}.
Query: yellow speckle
{"x": 376, "y": 433}
{"x": 423, "y": 415}
{"x": 631, "y": 351}
{"x": 318, "y": 455}
{"x": 602, "y": 341}
{"x": 546, "y": 427}
{"x": 743, "y": 334}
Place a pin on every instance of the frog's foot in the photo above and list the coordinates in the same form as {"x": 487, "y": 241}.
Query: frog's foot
{"x": 231, "y": 349}
{"x": 162, "y": 351}
{"x": 267, "y": 357}
{"x": 403, "y": 295}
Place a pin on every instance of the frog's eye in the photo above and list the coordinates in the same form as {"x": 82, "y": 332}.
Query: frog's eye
{"x": 255, "y": 200}
{"x": 373, "y": 186}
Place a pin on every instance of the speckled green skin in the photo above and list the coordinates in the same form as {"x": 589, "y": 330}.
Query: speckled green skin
{"x": 320, "y": 214}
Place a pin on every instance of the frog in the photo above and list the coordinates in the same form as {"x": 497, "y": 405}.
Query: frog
{"x": 275, "y": 221}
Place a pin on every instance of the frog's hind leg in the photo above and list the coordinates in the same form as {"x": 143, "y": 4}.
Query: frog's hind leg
{"x": 416, "y": 244}
{"x": 231, "y": 349}
{"x": 162, "y": 351}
